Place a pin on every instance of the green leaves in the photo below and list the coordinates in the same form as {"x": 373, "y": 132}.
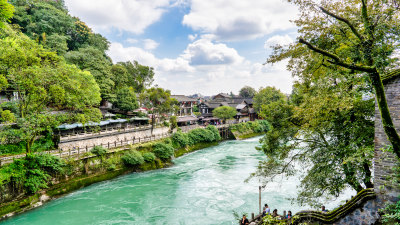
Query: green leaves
{"x": 224, "y": 112}
{"x": 6, "y": 11}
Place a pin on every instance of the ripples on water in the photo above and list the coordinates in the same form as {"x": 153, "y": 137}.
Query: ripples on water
{"x": 203, "y": 187}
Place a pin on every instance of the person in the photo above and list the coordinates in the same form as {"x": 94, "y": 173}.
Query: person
{"x": 244, "y": 221}
{"x": 284, "y": 214}
{"x": 324, "y": 210}
{"x": 275, "y": 213}
{"x": 289, "y": 215}
{"x": 266, "y": 210}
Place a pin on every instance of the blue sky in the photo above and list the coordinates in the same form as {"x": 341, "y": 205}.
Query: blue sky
{"x": 196, "y": 46}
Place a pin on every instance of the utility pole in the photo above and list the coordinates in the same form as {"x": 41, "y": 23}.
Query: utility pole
{"x": 259, "y": 199}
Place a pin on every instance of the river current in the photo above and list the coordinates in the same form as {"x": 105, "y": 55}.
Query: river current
{"x": 203, "y": 187}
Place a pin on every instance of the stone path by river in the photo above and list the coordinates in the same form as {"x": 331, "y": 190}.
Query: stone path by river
{"x": 203, "y": 187}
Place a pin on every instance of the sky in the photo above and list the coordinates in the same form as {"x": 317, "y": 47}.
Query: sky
{"x": 196, "y": 46}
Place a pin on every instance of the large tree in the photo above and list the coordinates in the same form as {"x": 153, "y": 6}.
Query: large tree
{"x": 224, "y": 112}
{"x": 359, "y": 36}
{"x": 265, "y": 96}
{"x": 159, "y": 101}
{"x": 247, "y": 92}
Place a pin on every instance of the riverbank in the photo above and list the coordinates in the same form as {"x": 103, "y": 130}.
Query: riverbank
{"x": 96, "y": 168}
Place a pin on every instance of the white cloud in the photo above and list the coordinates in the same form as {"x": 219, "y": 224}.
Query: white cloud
{"x": 206, "y": 67}
{"x": 192, "y": 37}
{"x": 128, "y": 15}
{"x": 278, "y": 40}
{"x": 204, "y": 52}
{"x": 132, "y": 41}
{"x": 239, "y": 20}
{"x": 149, "y": 44}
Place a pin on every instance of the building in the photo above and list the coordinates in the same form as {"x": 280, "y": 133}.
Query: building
{"x": 186, "y": 104}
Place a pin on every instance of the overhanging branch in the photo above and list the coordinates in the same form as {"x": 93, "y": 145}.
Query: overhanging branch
{"x": 336, "y": 60}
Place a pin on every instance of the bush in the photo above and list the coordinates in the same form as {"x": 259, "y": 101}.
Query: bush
{"x": 210, "y": 134}
{"x": 258, "y": 126}
{"x": 31, "y": 173}
{"x": 148, "y": 156}
{"x": 163, "y": 151}
{"x": 99, "y": 150}
{"x": 180, "y": 139}
{"x": 391, "y": 213}
{"x": 132, "y": 158}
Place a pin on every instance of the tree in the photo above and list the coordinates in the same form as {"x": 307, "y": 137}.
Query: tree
{"x": 126, "y": 99}
{"x": 326, "y": 130}
{"x": 43, "y": 83}
{"x": 266, "y": 96}
{"x": 95, "y": 61}
{"x": 137, "y": 76}
{"x": 159, "y": 101}
{"x": 224, "y": 112}
{"x": 247, "y": 92}
{"x": 349, "y": 35}
{"x": 6, "y": 11}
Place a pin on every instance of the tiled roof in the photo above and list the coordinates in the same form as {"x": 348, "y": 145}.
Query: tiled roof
{"x": 182, "y": 98}
{"x": 388, "y": 76}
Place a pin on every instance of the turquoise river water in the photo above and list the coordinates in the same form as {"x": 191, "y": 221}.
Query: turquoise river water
{"x": 204, "y": 187}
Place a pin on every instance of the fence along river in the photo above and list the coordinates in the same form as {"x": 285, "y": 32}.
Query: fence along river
{"x": 203, "y": 187}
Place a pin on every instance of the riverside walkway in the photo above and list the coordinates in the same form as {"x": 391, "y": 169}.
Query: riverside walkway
{"x": 79, "y": 152}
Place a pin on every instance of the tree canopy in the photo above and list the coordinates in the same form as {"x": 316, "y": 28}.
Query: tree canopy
{"x": 43, "y": 82}
{"x": 265, "y": 96}
{"x": 6, "y": 11}
{"x": 224, "y": 112}
{"x": 352, "y": 36}
{"x": 247, "y": 92}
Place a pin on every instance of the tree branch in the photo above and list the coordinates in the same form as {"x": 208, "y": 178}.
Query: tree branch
{"x": 337, "y": 60}
{"x": 352, "y": 28}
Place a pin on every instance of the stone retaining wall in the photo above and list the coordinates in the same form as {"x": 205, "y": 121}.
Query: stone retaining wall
{"x": 103, "y": 140}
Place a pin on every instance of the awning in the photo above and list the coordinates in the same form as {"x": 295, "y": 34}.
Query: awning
{"x": 210, "y": 118}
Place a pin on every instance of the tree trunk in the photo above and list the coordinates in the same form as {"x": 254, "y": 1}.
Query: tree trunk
{"x": 367, "y": 176}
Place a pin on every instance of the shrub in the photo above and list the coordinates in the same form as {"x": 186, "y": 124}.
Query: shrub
{"x": 163, "y": 151}
{"x": 180, "y": 139}
{"x": 132, "y": 158}
{"x": 99, "y": 150}
{"x": 31, "y": 173}
{"x": 391, "y": 213}
{"x": 210, "y": 134}
{"x": 251, "y": 127}
{"x": 148, "y": 156}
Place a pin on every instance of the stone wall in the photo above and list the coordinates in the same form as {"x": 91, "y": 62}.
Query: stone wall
{"x": 366, "y": 215}
{"x": 118, "y": 137}
{"x": 385, "y": 161}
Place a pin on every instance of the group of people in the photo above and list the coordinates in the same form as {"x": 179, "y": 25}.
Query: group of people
{"x": 267, "y": 211}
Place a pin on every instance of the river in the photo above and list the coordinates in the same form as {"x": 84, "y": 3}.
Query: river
{"x": 203, "y": 187}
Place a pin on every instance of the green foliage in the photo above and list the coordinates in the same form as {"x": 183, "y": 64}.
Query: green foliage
{"x": 180, "y": 139}
{"x": 163, "y": 151}
{"x": 134, "y": 75}
{"x": 149, "y": 156}
{"x": 6, "y": 11}
{"x": 7, "y": 116}
{"x": 32, "y": 173}
{"x": 270, "y": 220}
{"x": 210, "y": 134}
{"x": 126, "y": 99}
{"x": 173, "y": 122}
{"x": 247, "y": 92}
{"x": 266, "y": 96}
{"x": 258, "y": 126}
{"x": 99, "y": 150}
{"x": 224, "y": 112}
{"x": 132, "y": 158}
{"x": 391, "y": 214}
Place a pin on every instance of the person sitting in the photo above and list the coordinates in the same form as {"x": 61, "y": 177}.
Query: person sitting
{"x": 244, "y": 221}
{"x": 289, "y": 215}
{"x": 275, "y": 213}
{"x": 323, "y": 209}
